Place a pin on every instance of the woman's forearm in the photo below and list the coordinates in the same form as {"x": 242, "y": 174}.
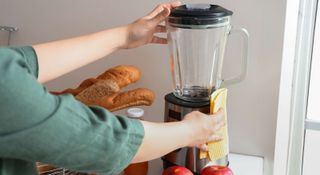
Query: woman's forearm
{"x": 162, "y": 138}
{"x": 60, "y": 57}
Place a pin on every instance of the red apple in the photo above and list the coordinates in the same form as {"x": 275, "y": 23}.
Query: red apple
{"x": 177, "y": 170}
{"x": 216, "y": 170}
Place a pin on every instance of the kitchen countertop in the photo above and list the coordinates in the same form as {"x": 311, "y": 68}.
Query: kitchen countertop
{"x": 246, "y": 164}
{"x": 239, "y": 163}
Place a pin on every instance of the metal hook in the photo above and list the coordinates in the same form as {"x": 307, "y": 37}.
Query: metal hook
{"x": 10, "y": 30}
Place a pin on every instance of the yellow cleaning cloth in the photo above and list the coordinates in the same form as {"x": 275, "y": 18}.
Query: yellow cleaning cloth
{"x": 217, "y": 150}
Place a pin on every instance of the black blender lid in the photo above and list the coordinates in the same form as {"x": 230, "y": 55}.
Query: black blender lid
{"x": 198, "y": 14}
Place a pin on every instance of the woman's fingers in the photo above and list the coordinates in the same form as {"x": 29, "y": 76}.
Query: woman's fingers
{"x": 160, "y": 16}
{"x": 160, "y": 8}
{"x": 160, "y": 29}
{"x": 203, "y": 147}
{"x": 219, "y": 114}
{"x": 218, "y": 117}
{"x": 175, "y": 4}
{"x": 215, "y": 138}
{"x": 219, "y": 125}
{"x": 158, "y": 40}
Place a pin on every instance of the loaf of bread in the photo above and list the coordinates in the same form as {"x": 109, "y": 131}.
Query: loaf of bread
{"x": 120, "y": 75}
{"x": 98, "y": 90}
{"x": 104, "y": 90}
{"x": 121, "y": 100}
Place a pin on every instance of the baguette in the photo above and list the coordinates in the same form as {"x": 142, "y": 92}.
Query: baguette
{"x": 118, "y": 101}
{"x": 120, "y": 75}
{"x": 104, "y": 90}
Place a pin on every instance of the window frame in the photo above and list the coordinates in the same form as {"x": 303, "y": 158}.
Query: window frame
{"x": 294, "y": 86}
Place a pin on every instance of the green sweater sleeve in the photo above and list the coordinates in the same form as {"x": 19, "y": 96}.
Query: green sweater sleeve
{"x": 38, "y": 126}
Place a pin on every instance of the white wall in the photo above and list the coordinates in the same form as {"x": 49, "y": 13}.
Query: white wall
{"x": 252, "y": 104}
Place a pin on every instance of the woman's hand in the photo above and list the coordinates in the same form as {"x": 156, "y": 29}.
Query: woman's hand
{"x": 204, "y": 128}
{"x": 144, "y": 29}
{"x": 195, "y": 130}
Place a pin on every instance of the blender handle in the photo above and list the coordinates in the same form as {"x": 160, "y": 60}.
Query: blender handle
{"x": 244, "y": 62}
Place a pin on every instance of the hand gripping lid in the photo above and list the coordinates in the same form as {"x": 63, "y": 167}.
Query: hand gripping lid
{"x": 199, "y": 14}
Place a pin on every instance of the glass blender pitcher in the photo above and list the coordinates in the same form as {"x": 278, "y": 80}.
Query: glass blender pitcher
{"x": 197, "y": 36}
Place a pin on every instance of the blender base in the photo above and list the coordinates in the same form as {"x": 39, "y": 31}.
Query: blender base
{"x": 189, "y": 157}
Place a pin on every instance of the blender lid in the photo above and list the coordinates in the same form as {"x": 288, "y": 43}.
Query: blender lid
{"x": 199, "y": 14}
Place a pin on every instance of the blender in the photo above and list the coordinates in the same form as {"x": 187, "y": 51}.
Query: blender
{"x": 197, "y": 37}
